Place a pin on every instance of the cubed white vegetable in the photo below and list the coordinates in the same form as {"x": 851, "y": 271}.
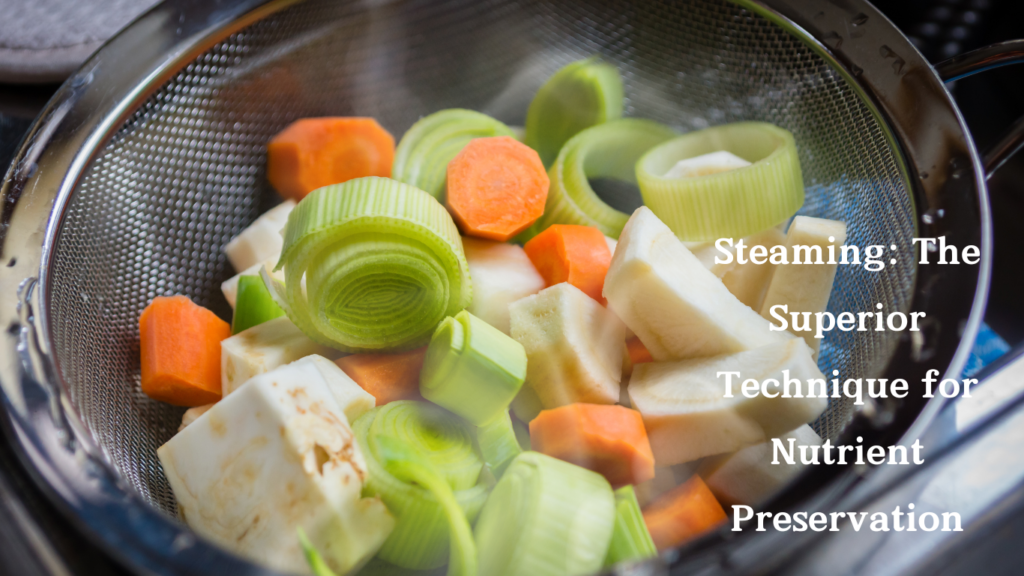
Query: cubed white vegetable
{"x": 277, "y": 455}
{"x": 806, "y": 287}
{"x": 574, "y": 346}
{"x": 230, "y": 286}
{"x": 262, "y": 240}
{"x": 706, "y": 164}
{"x": 707, "y": 252}
{"x": 688, "y": 416}
{"x": 502, "y": 273}
{"x": 748, "y": 476}
{"x": 191, "y": 414}
{"x": 749, "y": 282}
{"x": 261, "y": 349}
{"x": 674, "y": 304}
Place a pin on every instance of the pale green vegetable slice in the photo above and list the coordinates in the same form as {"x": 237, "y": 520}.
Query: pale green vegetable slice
{"x": 610, "y": 151}
{"x": 445, "y": 440}
{"x": 253, "y": 304}
{"x": 545, "y": 517}
{"x": 729, "y": 204}
{"x": 420, "y": 539}
{"x": 580, "y": 95}
{"x": 407, "y": 464}
{"x": 371, "y": 264}
{"x": 425, "y": 150}
{"x": 498, "y": 443}
{"x": 472, "y": 368}
{"x": 316, "y": 562}
{"x": 630, "y": 538}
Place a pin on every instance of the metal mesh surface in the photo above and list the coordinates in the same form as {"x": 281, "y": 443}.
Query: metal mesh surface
{"x": 186, "y": 172}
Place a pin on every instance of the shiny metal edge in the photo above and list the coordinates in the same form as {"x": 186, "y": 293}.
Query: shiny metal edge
{"x": 88, "y": 110}
{"x": 39, "y": 419}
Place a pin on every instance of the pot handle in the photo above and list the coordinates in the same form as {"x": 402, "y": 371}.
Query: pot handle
{"x": 980, "y": 60}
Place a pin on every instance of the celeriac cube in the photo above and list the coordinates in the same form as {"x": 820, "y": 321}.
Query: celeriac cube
{"x": 574, "y": 346}
{"x": 688, "y": 415}
{"x": 275, "y": 456}
{"x": 262, "y": 240}
{"x": 261, "y": 349}
{"x": 748, "y": 476}
{"x": 502, "y": 273}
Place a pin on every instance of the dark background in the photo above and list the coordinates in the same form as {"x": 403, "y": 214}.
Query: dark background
{"x": 36, "y": 539}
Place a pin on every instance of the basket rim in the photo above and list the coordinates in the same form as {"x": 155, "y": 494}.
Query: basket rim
{"x": 85, "y": 113}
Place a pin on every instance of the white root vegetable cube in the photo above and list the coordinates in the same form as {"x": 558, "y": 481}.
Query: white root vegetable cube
{"x": 194, "y": 413}
{"x": 502, "y": 273}
{"x": 230, "y": 286}
{"x": 676, "y": 306}
{"x": 353, "y": 400}
{"x": 749, "y": 282}
{"x": 277, "y": 455}
{"x": 748, "y": 476}
{"x": 574, "y": 346}
{"x": 706, "y": 164}
{"x": 688, "y": 416}
{"x": 806, "y": 287}
{"x": 706, "y": 252}
{"x": 261, "y": 349}
{"x": 262, "y": 240}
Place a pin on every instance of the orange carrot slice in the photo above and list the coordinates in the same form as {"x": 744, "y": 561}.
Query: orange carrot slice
{"x": 315, "y": 152}
{"x": 683, "y": 513}
{"x": 387, "y": 377}
{"x": 571, "y": 253}
{"x": 496, "y": 187}
{"x": 638, "y": 353}
{"x": 180, "y": 348}
{"x": 608, "y": 439}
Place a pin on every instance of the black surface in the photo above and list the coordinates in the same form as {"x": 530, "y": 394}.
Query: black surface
{"x": 990, "y": 103}
{"x": 36, "y": 539}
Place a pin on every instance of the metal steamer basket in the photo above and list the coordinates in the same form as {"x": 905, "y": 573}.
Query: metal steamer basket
{"x": 151, "y": 157}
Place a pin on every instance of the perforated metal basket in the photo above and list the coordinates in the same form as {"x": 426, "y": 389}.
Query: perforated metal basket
{"x": 152, "y": 157}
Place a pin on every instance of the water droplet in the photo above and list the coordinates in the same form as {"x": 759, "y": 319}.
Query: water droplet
{"x": 860, "y": 19}
{"x": 924, "y": 175}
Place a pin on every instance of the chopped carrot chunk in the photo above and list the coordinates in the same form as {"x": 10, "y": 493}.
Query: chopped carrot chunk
{"x": 315, "y": 152}
{"x": 387, "y": 377}
{"x": 496, "y": 187}
{"x": 180, "y": 349}
{"x": 571, "y": 253}
{"x": 682, "y": 514}
{"x": 607, "y": 439}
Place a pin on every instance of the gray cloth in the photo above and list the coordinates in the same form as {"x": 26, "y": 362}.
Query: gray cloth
{"x": 46, "y": 40}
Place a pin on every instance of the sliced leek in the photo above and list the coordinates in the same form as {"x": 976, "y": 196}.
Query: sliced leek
{"x": 446, "y": 440}
{"x": 498, "y": 443}
{"x": 545, "y": 517}
{"x": 420, "y": 539}
{"x": 371, "y": 264}
{"x": 407, "y": 464}
{"x": 580, "y": 95}
{"x": 610, "y": 151}
{"x": 424, "y": 152}
{"x": 630, "y": 539}
{"x": 472, "y": 368}
{"x": 728, "y": 204}
{"x": 253, "y": 304}
{"x": 316, "y": 562}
